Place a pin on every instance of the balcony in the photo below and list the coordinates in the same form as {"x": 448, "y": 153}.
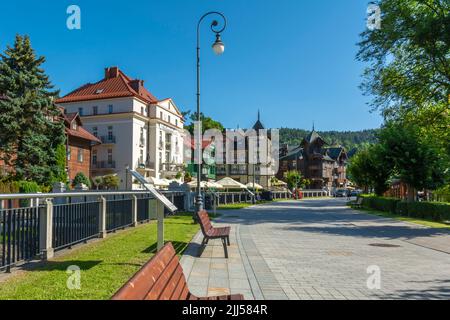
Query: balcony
{"x": 239, "y": 170}
{"x": 171, "y": 168}
{"x": 104, "y": 165}
{"x": 145, "y": 166}
{"x": 108, "y": 139}
{"x": 221, "y": 170}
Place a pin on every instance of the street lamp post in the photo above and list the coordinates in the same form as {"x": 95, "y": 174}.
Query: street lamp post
{"x": 218, "y": 48}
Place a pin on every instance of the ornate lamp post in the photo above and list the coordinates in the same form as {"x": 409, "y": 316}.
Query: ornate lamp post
{"x": 218, "y": 48}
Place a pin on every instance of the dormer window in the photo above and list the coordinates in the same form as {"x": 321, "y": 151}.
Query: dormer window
{"x": 74, "y": 125}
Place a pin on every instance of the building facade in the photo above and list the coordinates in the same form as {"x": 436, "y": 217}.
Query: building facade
{"x": 324, "y": 167}
{"x": 79, "y": 144}
{"x": 238, "y": 164}
{"x": 137, "y": 130}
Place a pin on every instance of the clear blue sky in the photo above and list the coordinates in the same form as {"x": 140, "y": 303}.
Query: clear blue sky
{"x": 293, "y": 59}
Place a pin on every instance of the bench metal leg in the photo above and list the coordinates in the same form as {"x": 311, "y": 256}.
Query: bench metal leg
{"x": 228, "y": 240}
{"x": 225, "y": 249}
{"x": 205, "y": 241}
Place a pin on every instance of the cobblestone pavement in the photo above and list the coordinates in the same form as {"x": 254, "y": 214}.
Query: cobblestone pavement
{"x": 320, "y": 249}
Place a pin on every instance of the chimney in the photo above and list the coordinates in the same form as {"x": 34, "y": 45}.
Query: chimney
{"x": 111, "y": 72}
{"x": 137, "y": 85}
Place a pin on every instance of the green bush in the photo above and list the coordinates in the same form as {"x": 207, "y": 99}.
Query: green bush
{"x": 436, "y": 211}
{"x": 380, "y": 203}
{"x": 81, "y": 178}
{"x": 402, "y": 208}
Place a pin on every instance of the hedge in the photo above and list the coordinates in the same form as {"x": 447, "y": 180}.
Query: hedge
{"x": 436, "y": 211}
{"x": 380, "y": 203}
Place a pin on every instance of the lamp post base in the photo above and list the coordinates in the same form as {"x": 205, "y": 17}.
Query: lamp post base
{"x": 198, "y": 207}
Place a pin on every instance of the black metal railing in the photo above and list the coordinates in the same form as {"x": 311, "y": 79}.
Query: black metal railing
{"x": 19, "y": 236}
{"x": 118, "y": 214}
{"x": 143, "y": 210}
{"x": 75, "y": 223}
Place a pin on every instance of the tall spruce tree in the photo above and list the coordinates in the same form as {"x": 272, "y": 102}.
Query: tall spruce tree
{"x": 30, "y": 126}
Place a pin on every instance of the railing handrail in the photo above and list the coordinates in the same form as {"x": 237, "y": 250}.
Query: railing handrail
{"x": 10, "y": 196}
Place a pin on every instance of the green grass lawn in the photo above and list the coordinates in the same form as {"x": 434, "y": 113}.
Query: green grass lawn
{"x": 423, "y": 222}
{"x": 105, "y": 265}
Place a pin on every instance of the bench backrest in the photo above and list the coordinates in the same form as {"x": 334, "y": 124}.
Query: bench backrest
{"x": 161, "y": 278}
{"x": 205, "y": 222}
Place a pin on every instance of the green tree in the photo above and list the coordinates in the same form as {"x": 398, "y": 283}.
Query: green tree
{"x": 416, "y": 159}
{"x": 369, "y": 169}
{"x": 60, "y": 164}
{"x": 30, "y": 128}
{"x": 207, "y": 122}
{"x": 81, "y": 178}
{"x": 294, "y": 179}
{"x": 408, "y": 56}
{"x": 110, "y": 182}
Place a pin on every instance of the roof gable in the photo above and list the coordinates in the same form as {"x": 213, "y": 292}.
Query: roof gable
{"x": 115, "y": 84}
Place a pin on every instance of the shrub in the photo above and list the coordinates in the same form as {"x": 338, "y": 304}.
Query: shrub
{"x": 81, "y": 178}
{"x": 380, "y": 203}
{"x": 436, "y": 211}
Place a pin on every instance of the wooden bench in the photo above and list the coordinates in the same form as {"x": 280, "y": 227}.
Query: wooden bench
{"x": 358, "y": 203}
{"x": 210, "y": 233}
{"x": 162, "y": 278}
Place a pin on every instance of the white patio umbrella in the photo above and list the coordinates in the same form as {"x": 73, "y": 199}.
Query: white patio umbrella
{"x": 256, "y": 186}
{"x": 280, "y": 183}
{"x": 229, "y": 183}
{"x": 205, "y": 185}
{"x": 158, "y": 182}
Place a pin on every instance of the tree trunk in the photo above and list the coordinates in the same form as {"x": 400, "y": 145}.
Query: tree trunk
{"x": 411, "y": 194}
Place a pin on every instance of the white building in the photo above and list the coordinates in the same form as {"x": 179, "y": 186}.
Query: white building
{"x": 136, "y": 129}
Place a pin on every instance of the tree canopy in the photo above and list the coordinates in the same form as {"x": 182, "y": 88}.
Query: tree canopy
{"x": 30, "y": 126}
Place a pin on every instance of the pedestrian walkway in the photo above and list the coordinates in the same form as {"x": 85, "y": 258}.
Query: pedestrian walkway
{"x": 320, "y": 249}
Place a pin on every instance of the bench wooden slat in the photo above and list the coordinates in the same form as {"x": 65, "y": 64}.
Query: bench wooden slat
{"x": 161, "y": 278}
{"x": 209, "y": 232}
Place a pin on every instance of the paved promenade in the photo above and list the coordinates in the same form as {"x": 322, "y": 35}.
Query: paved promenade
{"x": 320, "y": 249}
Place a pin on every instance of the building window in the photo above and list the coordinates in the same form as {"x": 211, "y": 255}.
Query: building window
{"x": 94, "y": 157}
{"x": 110, "y": 133}
{"x": 110, "y": 108}
{"x": 74, "y": 125}
{"x": 80, "y": 155}
{"x": 168, "y": 119}
{"x": 80, "y": 111}
{"x": 142, "y": 111}
{"x": 110, "y": 159}
{"x": 141, "y": 156}
{"x": 161, "y": 115}
{"x": 94, "y": 110}
{"x": 69, "y": 153}
{"x": 95, "y": 131}
{"x": 176, "y": 122}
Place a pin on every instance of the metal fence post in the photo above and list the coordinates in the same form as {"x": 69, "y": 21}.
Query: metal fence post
{"x": 134, "y": 210}
{"x": 102, "y": 218}
{"x": 160, "y": 224}
{"x": 46, "y": 230}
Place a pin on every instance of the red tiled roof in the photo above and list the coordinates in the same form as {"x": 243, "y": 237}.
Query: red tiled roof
{"x": 115, "y": 84}
{"x": 80, "y": 132}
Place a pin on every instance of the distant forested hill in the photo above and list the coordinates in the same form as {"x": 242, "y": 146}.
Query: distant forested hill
{"x": 348, "y": 139}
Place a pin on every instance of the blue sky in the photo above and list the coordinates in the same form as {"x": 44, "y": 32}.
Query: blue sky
{"x": 292, "y": 59}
